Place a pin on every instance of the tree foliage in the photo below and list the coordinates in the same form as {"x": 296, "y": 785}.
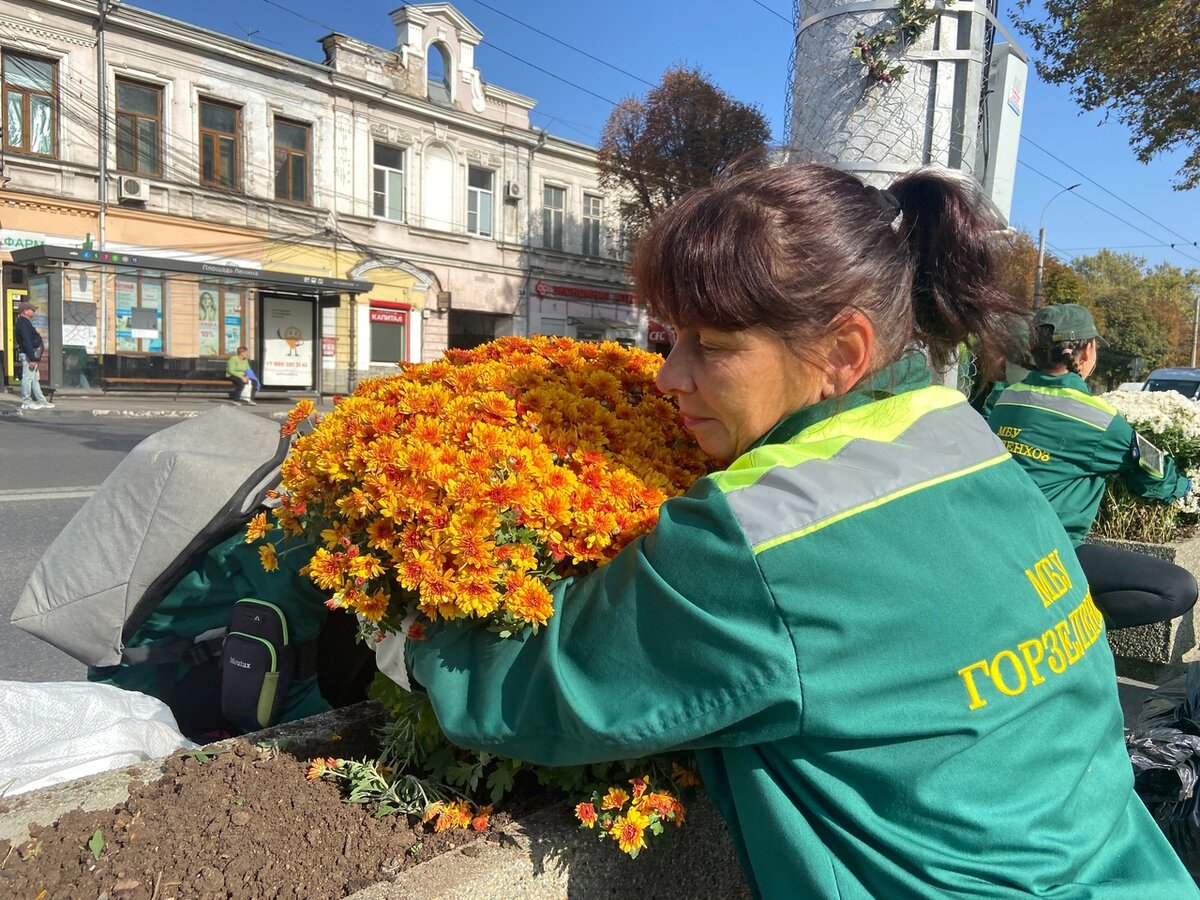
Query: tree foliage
{"x": 1133, "y": 57}
{"x": 1123, "y": 297}
{"x": 1016, "y": 268}
{"x": 680, "y": 136}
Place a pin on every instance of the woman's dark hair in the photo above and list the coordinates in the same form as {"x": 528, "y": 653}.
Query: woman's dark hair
{"x": 794, "y": 248}
{"x": 1046, "y": 353}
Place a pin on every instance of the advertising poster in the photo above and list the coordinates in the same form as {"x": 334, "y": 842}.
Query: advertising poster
{"x": 148, "y": 326}
{"x": 233, "y": 334}
{"x": 125, "y": 297}
{"x": 79, "y": 313}
{"x": 287, "y": 343}
{"x": 210, "y": 333}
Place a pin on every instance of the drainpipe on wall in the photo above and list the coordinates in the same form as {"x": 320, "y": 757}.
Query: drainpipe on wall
{"x": 352, "y": 378}
{"x": 529, "y": 231}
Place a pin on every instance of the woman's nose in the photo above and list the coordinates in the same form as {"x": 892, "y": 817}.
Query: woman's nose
{"x": 672, "y": 376}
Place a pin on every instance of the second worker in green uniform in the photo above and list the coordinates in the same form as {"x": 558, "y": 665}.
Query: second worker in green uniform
{"x": 1070, "y": 443}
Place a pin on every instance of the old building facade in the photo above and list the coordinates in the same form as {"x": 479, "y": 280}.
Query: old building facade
{"x": 170, "y": 193}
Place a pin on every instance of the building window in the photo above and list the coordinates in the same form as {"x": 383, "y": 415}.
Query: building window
{"x": 291, "y": 161}
{"x": 389, "y": 335}
{"x": 389, "y": 183}
{"x": 624, "y": 242}
{"x": 479, "y": 201}
{"x": 139, "y": 128}
{"x": 30, "y": 86}
{"x": 140, "y": 300}
{"x": 222, "y": 318}
{"x": 593, "y": 209}
{"x": 220, "y": 152}
{"x": 437, "y": 75}
{"x": 437, "y": 188}
{"x": 554, "y": 201}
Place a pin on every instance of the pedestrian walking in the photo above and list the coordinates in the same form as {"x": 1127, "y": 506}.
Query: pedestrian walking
{"x": 29, "y": 354}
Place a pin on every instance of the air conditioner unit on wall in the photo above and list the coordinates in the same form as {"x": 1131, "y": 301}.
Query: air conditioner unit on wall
{"x": 132, "y": 190}
{"x": 513, "y": 190}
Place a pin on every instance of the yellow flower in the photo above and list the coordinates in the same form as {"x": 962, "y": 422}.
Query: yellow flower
{"x": 266, "y": 554}
{"x": 629, "y": 832}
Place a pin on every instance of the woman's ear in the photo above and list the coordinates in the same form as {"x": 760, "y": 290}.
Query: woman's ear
{"x": 849, "y": 348}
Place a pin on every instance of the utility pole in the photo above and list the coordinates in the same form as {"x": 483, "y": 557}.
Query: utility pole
{"x": 1037, "y": 279}
{"x": 1195, "y": 320}
{"x": 103, "y": 8}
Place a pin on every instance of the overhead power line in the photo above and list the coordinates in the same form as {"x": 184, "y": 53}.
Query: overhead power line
{"x": 1091, "y": 180}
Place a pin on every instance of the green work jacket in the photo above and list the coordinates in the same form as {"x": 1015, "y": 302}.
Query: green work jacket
{"x": 873, "y": 631}
{"x": 1070, "y": 442}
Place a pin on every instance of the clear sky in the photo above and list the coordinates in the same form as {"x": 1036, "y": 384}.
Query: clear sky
{"x": 578, "y": 57}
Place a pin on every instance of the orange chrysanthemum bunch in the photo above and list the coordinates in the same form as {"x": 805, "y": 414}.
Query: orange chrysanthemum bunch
{"x": 626, "y": 816}
{"x": 462, "y": 487}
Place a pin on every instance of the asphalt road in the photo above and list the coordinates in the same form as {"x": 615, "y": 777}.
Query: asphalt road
{"x": 48, "y": 467}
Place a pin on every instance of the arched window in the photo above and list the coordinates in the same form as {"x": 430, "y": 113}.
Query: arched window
{"x": 438, "y": 67}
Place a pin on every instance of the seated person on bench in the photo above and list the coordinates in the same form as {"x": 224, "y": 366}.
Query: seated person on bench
{"x": 235, "y": 371}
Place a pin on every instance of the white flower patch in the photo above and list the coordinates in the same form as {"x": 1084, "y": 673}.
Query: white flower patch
{"x": 1158, "y": 412}
{"x": 1190, "y": 502}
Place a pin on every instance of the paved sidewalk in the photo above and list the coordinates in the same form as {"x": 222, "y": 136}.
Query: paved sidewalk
{"x": 152, "y": 404}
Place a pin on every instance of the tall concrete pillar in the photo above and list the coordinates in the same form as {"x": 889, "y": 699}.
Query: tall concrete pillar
{"x": 930, "y": 115}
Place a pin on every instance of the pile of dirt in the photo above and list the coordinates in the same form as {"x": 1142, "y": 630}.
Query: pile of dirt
{"x": 241, "y": 823}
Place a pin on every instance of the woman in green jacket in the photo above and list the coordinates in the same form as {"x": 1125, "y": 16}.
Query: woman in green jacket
{"x": 1071, "y": 443}
{"x": 870, "y": 626}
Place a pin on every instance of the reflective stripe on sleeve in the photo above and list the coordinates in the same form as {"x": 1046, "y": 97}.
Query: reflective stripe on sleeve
{"x": 789, "y": 499}
{"x": 1065, "y": 402}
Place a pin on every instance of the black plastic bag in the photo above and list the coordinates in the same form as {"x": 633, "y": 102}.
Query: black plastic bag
{"x": 1164, "y": 750}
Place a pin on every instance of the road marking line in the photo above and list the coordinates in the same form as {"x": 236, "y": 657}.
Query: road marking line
{"x": 26, "y": 495}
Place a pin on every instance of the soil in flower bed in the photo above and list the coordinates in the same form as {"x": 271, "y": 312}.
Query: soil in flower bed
{"x": 243, "y": 823}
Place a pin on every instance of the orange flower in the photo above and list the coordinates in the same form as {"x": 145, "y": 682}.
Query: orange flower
{"x": 586, "y": 813}
{"x": 684, "y": 777}
{"x": 458, "y": 486}
{"x": 616, "y": 798}
{"x": 374, "y": 606}
{"x": 319, "y": 767}
{"x": 481, "y": 819}
{"x": 453, "y": 815}
{"x": 530, "y": 602}
{"x": 257, "y": 528}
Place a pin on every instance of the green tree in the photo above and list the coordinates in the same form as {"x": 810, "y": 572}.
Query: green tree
{"x": 1136, "y": 58}
{"x": 680, "y": 136}
{"x": 1168, "y": 292}
{"x": 1114, "y": 289}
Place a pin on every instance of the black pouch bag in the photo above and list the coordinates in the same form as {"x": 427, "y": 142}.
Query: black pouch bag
{"x": 257, "y": 663}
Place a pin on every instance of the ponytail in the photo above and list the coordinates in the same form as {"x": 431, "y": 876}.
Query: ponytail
{"x": 948, "y": 237}
{"x": 1048, "y": 354}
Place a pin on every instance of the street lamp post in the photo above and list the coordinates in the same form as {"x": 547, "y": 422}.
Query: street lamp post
{"x": 1037, "y": 278}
